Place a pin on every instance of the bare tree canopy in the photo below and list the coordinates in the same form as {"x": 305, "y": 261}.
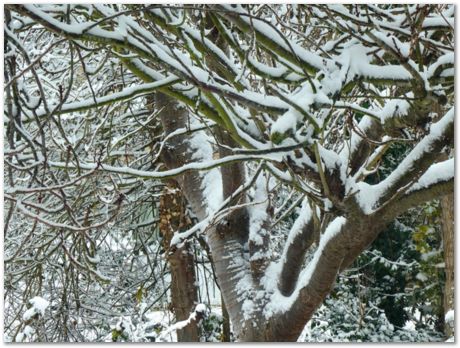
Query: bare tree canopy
{"x": 255, "y": 111}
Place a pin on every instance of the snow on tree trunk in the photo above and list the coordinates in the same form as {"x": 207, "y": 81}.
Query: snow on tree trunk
{"x": 274, "y": 119}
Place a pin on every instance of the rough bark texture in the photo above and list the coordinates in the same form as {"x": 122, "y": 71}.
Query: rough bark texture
{"x": 173, "y": 218}
{"x": 227, "y": 239}
{"x": 181, "y": 260}
{"x": 295, "y": 255}
{"x": 176, "y": 152}
{"x": 447, "y": 207}
{"x": 226, "y": 323}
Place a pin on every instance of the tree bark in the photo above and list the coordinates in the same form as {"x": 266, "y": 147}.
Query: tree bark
{"x": 173, "y": 217}
{"x": 448, "y": 239}
{"x": 225, "y": 322}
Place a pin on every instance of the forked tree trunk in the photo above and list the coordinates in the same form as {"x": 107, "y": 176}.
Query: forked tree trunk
{"x": 351, "y": 232}
{"x": 447, "y": 224}
{"x": 277, "y": 309}
{"x": 227, "y": 242}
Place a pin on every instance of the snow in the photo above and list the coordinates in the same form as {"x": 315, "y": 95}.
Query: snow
{"x": 73, "y": 28}
{"x": 200, "y": 146}
{"x": 397, "y": 46}
{"x": 369, "y": 195}
{"x": 365, "y": 124}
{"x": 126, "y": 93}
{"x": 175, "y": 60}
{"x": 353, "y": 62}
{"x": 305, "y": 215}
{"x": 20, "y": 337}
{"x": 26, "y": 333}
{"x": 259, "y": 98}
{"x": 450, "y": 316}
{"x": 285, "y": 122}
{"x": 438, "y": 22}
{"x": 195, "y": 34}
{"x": 330, "y": 158}
{"x": 302, "y": 99}
{"x": 421, "y": 276}
{"x": 217, "y": 216}
{"x": 436, "y": 173}
{"x": 450, "y": 72}
{"x": 447, "y": 58}
{"x": 157, "y": 316}
{"x": 275, "y": 72}
{"x": 15, "y": 24}
{"x": 238, "y": 267}
{"x": 285, "y": 176}
{"x": 206, "y": 165}
{"x": 28, "y": 314}
{"x": 201, "y": 308}
{"x": 177, "y": 326}
{"x": 248, "y": 308}
{"x": 28, "y": 212}
{"x": 271, "y": 33}
{"x": 394, "y": 108}
{"x": 258, "y": 212}
{"x": 386, "y": 72}
{"x": 39, "y": 305}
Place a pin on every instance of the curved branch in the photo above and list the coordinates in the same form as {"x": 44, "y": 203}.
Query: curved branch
{"x": 437, "y": 181}
{"x": 300, "y": 238}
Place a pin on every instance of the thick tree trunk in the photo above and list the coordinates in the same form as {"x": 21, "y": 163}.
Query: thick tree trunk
{"x": 226, "y": 240}
{"x": 181, "y": 260}
{"x": 245, "y": 296}
{"x": 447, "y": 224}
{"x": 173, "y": 218}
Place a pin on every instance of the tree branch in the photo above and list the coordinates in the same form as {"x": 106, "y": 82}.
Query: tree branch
{"x": 300, "y": 238}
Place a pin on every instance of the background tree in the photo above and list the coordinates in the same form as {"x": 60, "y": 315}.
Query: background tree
{"x": 448, "y": 241}
{"x": 300, "y": 98}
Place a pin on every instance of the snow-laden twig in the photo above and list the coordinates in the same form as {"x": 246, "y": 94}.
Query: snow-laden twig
{"x": 198, "y": 313}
